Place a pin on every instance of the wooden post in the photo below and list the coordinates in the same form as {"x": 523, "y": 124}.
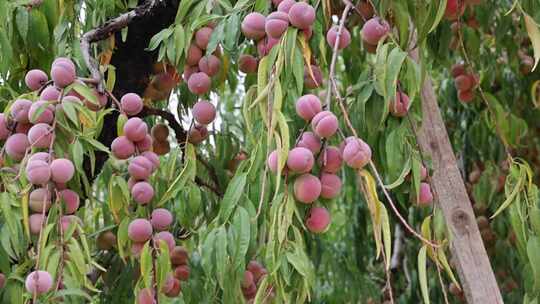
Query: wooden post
{"x": 468, "y": 252}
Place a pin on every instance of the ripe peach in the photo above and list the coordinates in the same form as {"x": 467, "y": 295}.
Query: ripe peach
{"x": 276, "y": 2}
{"x": 50, "y": 93}
{"x": 136, "y": 248}
{"x": 23, "y": 128}
{"x": 38, "y": 282}
{"x": 247, "y": 64}
{"x": 20, "y": 109}
{"x": 70, "y": 200}
{"x": 425, "y": 197}
{"x": 308, "y": 106}
{"x": 62, "y": 170}
{"x": 250, "y": 291}
{"x": 161, "y": 219}
{"x": 135, "y": 129}
{"x": 355, "y": 152}
{"x": 40, "y": 135}
{"x": 153, "y": 158}
{"x": 399, "y": 107}
{"x": 257, "y": 270}
{"x": 458, "y": 69}
{"x": 39, "y": 199}
{"x": 285, "y": 6}
{"x": 140, "y": 230}
{"x": 310, "y": 141}
{"x": 194, "y": 54}
{"x": 308, "y": 32}
{"x": 47, "y": 114}
{"x": 197, "y": 134}
{"x": 463, "y": 83}
{"x": 62, "y": 75}
{"x": 204, "y": 112}
{"x": 142, "y": 192}
{"x": 131, "y": 104}
{"x": 160, "y": 132}
{"x": 179, "y": 255}
{"x": 330, "y": 185}
{"x": 313, "y": 81}
{"x": 140, "y": 167}
{"x": 344, "y": 38}
{"x": 209, "y": 65}
{"x": 4, "y": 131}
{"x": 302, "y": 15}
{"x": 465, "y": 96}
{"x": 324, "y": 124}
{"x": 16, "y": 146}
{"x": 182, "y": 272}
{"x": 248, "y": 279}
{"x": 374, "y": 30}
{"x": 69, "y": 220}
{"x": 272, "y": 161}
{"x": 146, "y": 296}
{"x": 175, "y": 290}
{"x": 330, "y": 160}
{"x": 166, "y": 237}
{"x": 202, "y": 37}
{"x": 253, "y": 26}
{"x": 35, "y": 221}
{"x": 199, "y": 83}
{"x": 300, "y": 160}
{"x": 122, "y": 147}
{"x": 131, "y": 182}
{"x": 318, "y": 219}
{"x": 38, "y": 172}
{"x": 276, "y": 24}
{"x": 168, "y": 284}
{"x": 144, "y": 145}
{"x": 64, "y": 62}
{"x": 454, "y": 9}
{"x": 44, "y": 156}
{"x": 190, "y": 70}
{"x": 307, "y": 188}
{"x": 35, "y": 79}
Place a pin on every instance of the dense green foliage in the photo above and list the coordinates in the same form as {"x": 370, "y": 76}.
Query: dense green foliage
{"x": 229, "y": 207}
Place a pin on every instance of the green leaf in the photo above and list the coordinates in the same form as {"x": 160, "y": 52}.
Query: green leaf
{"x": 146, "y": 265}
{"x": 533, "y": 252}
{"x": 422, "y": 273}
{"x": 222, "y": 260}
{"x": 241, "y": 229}
{"x": 21, "y": 19}
{"x": 86, "y": 93}
{"x": 232, "y": 195}
{"x": 534, "y": 34}
{"x": 158, "y": 38}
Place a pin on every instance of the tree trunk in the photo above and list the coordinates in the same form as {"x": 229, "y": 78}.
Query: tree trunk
{"x": 471, "y": 260}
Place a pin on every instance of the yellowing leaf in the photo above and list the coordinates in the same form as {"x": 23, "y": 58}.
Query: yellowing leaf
{"x": 535, "y": 96}
{"x": 422, "y": 273}
{"x": 306, "y": 53}
{"x": 534, "y": 35}
{"x": 369, "y": 190}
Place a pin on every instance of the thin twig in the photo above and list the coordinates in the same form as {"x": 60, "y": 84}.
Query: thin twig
{"x": 335, "y": 51}
{"x": 180, "y": 133}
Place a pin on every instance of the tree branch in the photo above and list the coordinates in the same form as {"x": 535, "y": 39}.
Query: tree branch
{"x": 106, "y": 30}
{"x": 180, "y": 133}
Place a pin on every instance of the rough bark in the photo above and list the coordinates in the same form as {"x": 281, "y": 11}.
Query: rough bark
{"x": 132, "y": 61}
{"x": 471, "y": 259}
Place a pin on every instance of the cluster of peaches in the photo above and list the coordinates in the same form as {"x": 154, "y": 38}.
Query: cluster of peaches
{"x": 199, "y": 69}
{"x": 301, "y": 160}
{"x": 29, "y": 130}
{"x": 250, "y": 283}
{"x": 456, "y": 8}
{"x": 465, "y": 82}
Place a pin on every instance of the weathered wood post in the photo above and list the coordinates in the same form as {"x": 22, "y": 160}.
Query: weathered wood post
{"x": 468, "y": 252}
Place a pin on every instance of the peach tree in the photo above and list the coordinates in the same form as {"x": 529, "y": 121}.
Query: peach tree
{"x": 268, "y": 151}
